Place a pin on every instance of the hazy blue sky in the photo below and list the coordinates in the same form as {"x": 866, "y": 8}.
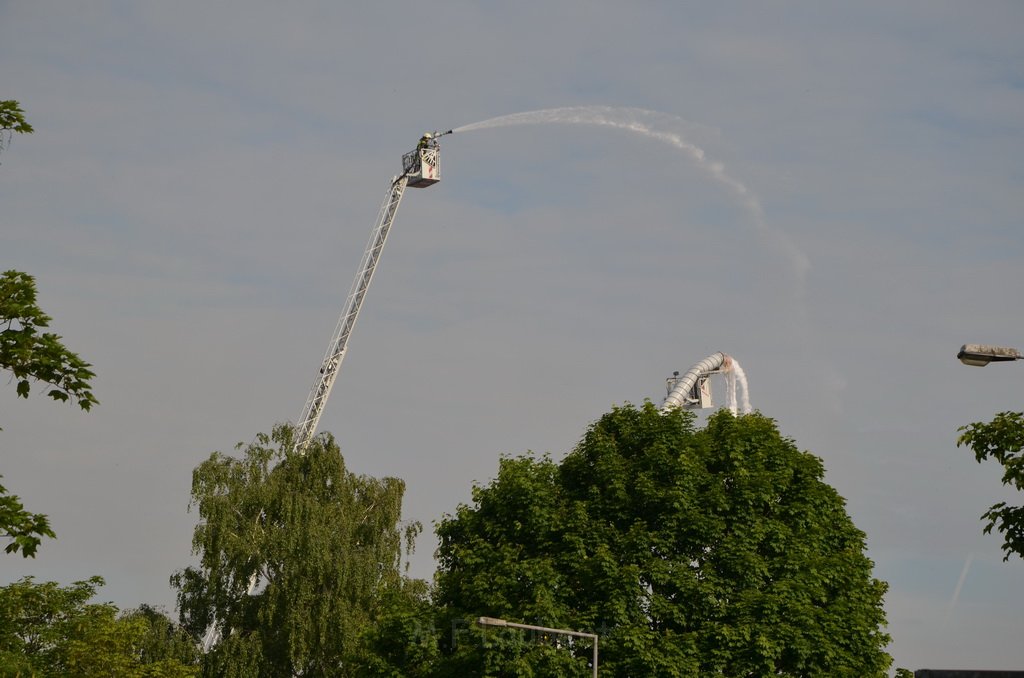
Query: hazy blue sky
{"x": 204, "y": 176}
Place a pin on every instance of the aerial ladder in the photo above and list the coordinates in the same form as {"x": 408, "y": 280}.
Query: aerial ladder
{"x": 420, "y": 168}
{"x": 692, "y": 390}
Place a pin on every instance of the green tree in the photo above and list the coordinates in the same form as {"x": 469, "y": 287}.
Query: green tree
{"x": 49, "y": 631}
{"x": 31, "y": 355}
{"x": 1002, "y": 439}
{"x": 322, "y": 545}
{"x": 12, "y": 120}
{"x": 691, "y": 552}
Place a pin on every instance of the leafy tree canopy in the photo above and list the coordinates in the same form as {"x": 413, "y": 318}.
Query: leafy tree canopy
{"x": 719, "y": 551}
{"x": 48, "y": 630}
{"x": 1002, "y": 440}
{"x": 322, "y": 546}
{"x": 403, "y": 641}
{"x": 163, "y": 642}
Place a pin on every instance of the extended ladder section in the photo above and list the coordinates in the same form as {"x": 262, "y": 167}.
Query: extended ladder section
{"x": 420, "y": 168}
{"x": 691, "y": 391}
{"x": 339, "y": 342}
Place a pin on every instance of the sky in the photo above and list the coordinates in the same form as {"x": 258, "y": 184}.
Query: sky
{"x": 829, "y": 192}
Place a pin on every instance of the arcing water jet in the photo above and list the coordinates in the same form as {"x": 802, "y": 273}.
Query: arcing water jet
{"x": 659, "y": 126}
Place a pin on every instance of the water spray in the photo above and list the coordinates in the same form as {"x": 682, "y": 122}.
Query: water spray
{"x": 959, "y": 587}
{"x": 659, "y": 126}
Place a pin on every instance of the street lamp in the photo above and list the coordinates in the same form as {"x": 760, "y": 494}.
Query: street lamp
{"x": 491, "y": 621}
{"x": 979, "y": 355}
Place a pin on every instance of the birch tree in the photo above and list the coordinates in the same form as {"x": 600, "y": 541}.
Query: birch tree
{"x": 321, "y": 545}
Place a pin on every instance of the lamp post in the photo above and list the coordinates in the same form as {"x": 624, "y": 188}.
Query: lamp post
{"x": 491, "y": 621}
{"x": 979, "y": 355}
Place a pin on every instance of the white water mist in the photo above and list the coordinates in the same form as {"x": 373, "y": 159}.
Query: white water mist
{"x": 741, "y": 378}
{"x": 661, "y": 127}
{"x": 959, "y": 587}
{"x": 735, "y": 385}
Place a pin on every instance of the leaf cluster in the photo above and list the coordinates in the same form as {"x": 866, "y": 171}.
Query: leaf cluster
{"x": 718, "y": 551}
{"x": 22, "y": 528}
{"x": 31, "y": 354}
{"x": 12, "y": 120}
{"x": 1001, "y": 440}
